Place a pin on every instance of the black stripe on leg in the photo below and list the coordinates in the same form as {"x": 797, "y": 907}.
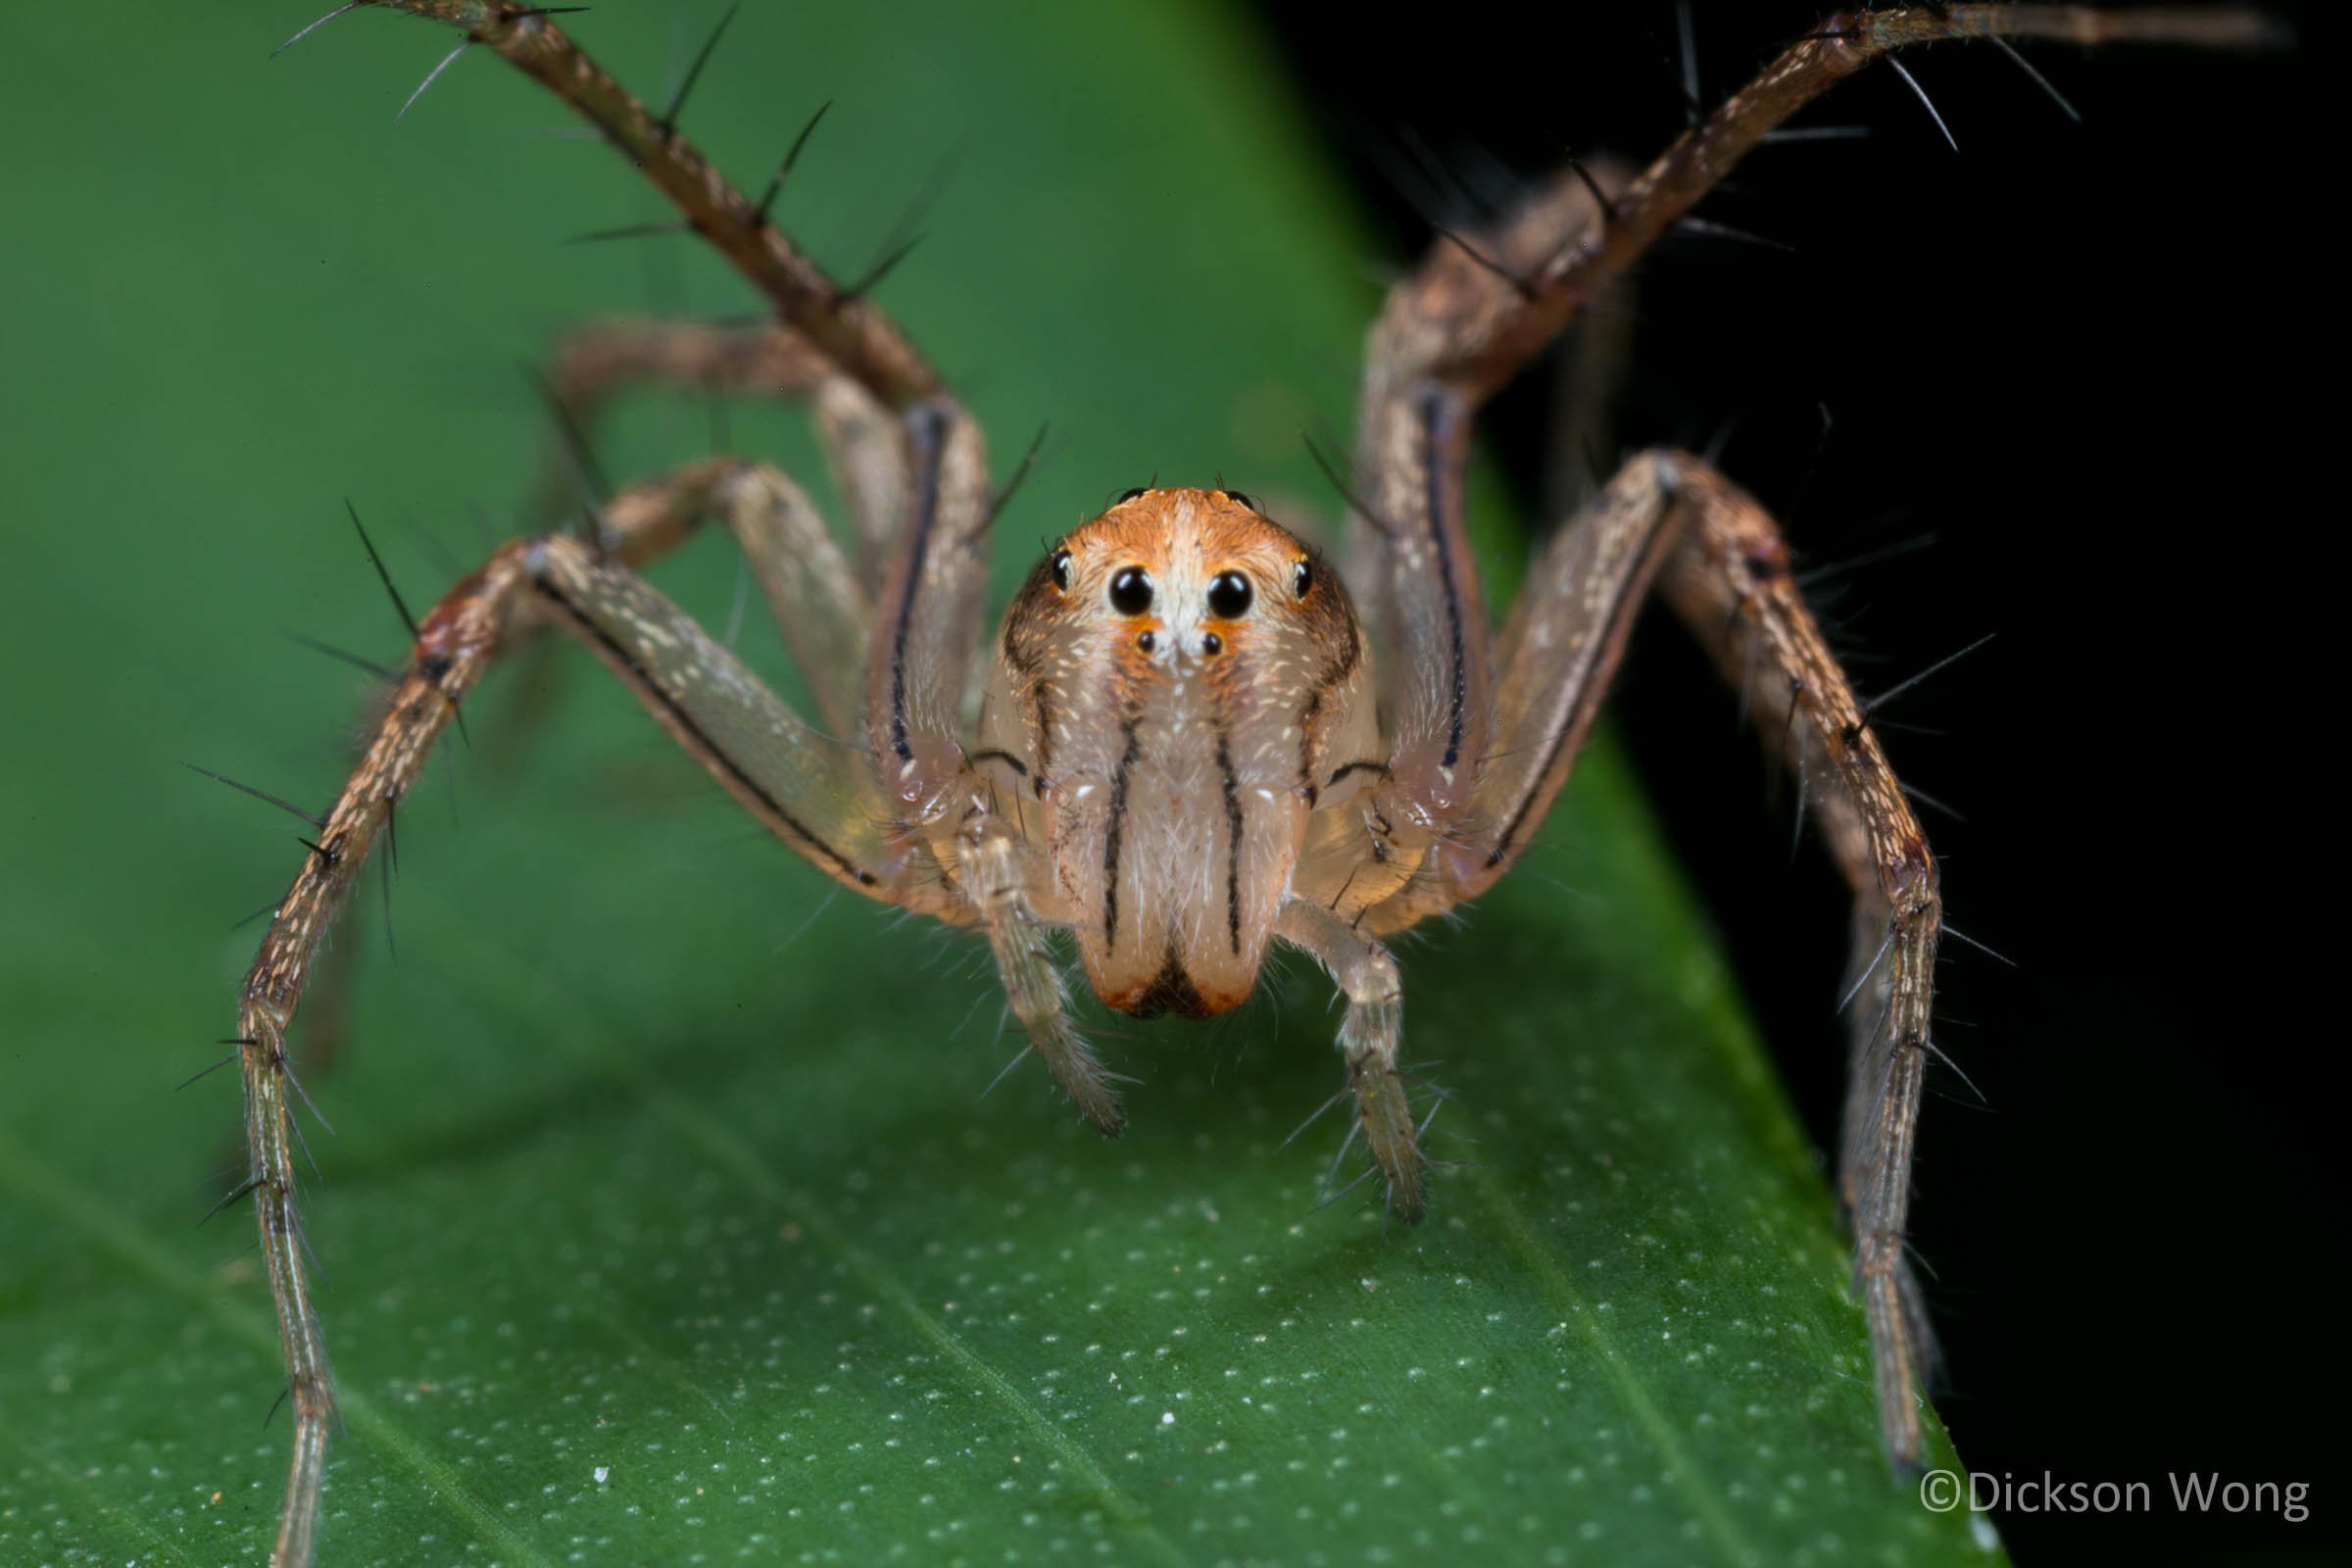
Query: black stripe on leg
{"x": 1440, "y": 410}
{"x": 1633, "y": 587}
{"x": 1326, "y": 681}
{"x": 1006, "y": 757}
{"x": 926, "y": 429}
{"x": 643, "y": 679}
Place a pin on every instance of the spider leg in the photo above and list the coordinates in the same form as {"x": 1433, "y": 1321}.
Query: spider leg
{"x": 931, "y": 598}
{"x": 911, "y": 460}
{"x": 1408, "y": 557}
{"x": 1466, "y": 778}
{"x": 325, "y": 1032}
{"x": 1370, "y": 1036}
{"x": 764, "y": 360}
{"x": 595, "y": 362}
{"x": 761, "y": 358}
{"x": 811, "y": 588}
{"x": 937, "y": 565}
{"x": 927, "y": 625}
{"x": 1483, "y": 305}
{"x": 822, "y": 604}
{"x": 813, "y": 594}
{"x": 867, "y": 456}
{"x": 1480, "y": 305}
{"x": 807, "y": 790}
{"x": 842, "y": 324}
{"x": 1555, "y": 655}
{"x": 928, "y": 506}
{"x": 1728, "y": 578}
{"x": 1719, "y": 562}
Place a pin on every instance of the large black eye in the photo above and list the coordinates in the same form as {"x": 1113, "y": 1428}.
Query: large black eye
{"x": 1229, "y": 595}
{"x": 1061, "y": 569}
{"x": 1302, "y": 578}
{"x": 1131, "y": 591}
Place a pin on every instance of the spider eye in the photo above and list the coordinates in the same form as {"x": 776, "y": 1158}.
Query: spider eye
{"x": 1302, "y": 578}
{"x": 1229, "y": 593}
{"x": 1126, "y": 496}
{"x": 1245, "y": 500}
{"x": 1131, "y": 591}
{"x": 1061, "y": 569}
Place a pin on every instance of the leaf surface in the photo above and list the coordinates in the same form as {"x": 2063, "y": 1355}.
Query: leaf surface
{"x": 667, "y": 1220}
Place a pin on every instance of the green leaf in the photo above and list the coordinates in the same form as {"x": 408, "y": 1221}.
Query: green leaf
{"x": 669, "y": 1221}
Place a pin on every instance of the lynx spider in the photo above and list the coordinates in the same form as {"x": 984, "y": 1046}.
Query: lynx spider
{"x": 1325, "y": 757}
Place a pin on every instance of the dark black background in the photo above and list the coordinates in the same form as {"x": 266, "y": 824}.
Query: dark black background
{"x": 2085, "y": 361}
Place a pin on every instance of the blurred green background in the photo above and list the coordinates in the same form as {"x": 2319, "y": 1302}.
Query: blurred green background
{"x": 666, "y": 1221}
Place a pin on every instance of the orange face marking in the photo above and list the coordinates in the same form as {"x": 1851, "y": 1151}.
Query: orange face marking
{"x": 1181, "y": 574}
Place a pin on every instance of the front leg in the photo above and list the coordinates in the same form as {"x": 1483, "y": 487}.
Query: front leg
{"x": 1370, "y": 1036}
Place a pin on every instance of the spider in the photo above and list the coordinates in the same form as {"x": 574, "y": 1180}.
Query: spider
{"x": 1195, "y": 737}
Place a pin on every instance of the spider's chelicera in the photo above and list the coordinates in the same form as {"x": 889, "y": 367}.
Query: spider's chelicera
{"x": 1197, "y": 740}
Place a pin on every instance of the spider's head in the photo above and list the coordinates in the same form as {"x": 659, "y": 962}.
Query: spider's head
{"x": 1169, "y": 583}
{"x": 1177, "y": 670}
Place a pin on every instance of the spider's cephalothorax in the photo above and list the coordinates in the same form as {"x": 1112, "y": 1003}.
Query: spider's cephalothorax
{"x": 1178, "y": 679}
{"x": 1191, "y": 747}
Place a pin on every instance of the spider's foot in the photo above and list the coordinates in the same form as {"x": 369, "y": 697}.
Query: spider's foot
{"x": 1082, "y": 1077}
{"x": 1389, "y": 1132}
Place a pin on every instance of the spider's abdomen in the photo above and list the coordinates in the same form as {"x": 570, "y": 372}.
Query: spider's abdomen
{"x": 1174, "y": 677}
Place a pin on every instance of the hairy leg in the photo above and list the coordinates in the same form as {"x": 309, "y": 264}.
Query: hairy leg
{"x": 1451, "y": 335}
{"x": 927, "y": 626}
{"x": 862, "y": 445}
{"x": 594, "y": 364}
{"x": 914, "y": 678}
{"x": 1371, "y": 1035}
{"x": 1554, "y": 659}
{"x": 1719, "y": 562}
{"x": 929, "y": 608}
{"x": 1728, "y": 580}
{"x": 844, "y": 325}
{"x": 818, "y": 603}
{"x": 928, "y": 504}
{"x": 1481, "y": 305}
{"x": 809, "y": 792}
